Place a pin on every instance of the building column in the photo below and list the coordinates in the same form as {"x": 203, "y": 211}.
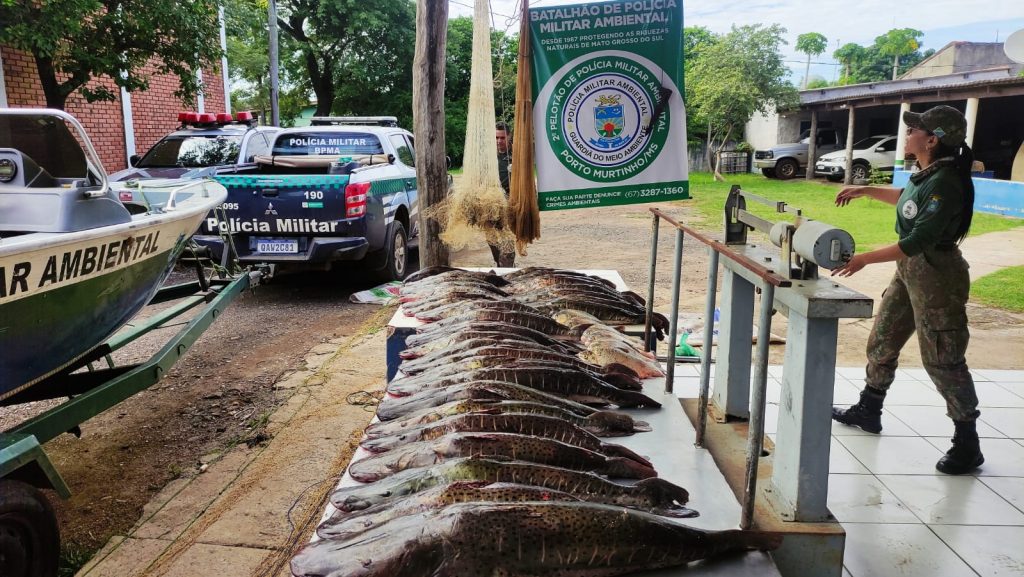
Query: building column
{"x": 129, "y": 126}
{"x": 972, "y": 119}
{"x": 224, "y": 61}
{"x": 3, "y": 87}
{"x": 901, "y": 138}
{"x": 848, "y": 171}
{"x": 812, "y": 147}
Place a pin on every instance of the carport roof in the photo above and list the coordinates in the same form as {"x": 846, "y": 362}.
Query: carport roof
{"x": 986, "y": 83}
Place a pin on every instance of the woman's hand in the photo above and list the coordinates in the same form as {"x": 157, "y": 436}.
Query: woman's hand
{"x": 853, "y": 265}
{"x": 848, "y": 193}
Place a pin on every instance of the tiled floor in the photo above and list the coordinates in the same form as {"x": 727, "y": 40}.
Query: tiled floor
{"x": 902, "y": 517}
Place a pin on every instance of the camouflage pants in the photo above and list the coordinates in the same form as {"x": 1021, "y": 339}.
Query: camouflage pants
{"x": 927, "y": 294}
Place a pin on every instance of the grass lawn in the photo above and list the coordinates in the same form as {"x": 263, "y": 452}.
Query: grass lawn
{"x": 869, "y": 221}
{"x": 1002, "y": 289}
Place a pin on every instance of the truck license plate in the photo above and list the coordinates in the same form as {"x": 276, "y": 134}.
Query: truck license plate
{"x": 277, "y": 246}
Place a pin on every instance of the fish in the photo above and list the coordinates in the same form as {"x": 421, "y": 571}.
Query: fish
{"x": 540, "y": 426}
{"x": 431, "y": 312}
{"x": 567, "y": 539}
{"x": 598, "y": 423}
{"x": 441, "y": 274}
{"x": 507, "y": 445}
{"x": 397, "y": 407}
{"x": 598, "y": 333}
{"x": 606, "y": 352}
{"x": 342, "y": 525}
{"x": 454, "y": 342}
{"x": 653, "y": 495}
{"x": 571, "y": 383}
{"x": 626, "y": 379}
{"x": 573, "y": 318}
{"x": 536, "y": 321}
{"x": 565, "y": 343}
{"x": 497, "y": 354}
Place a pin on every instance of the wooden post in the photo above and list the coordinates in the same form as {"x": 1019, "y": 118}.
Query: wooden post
{"x": 428, "y": 123}
{"x": 848, "y": 171}
{"x": 812, "y": 146}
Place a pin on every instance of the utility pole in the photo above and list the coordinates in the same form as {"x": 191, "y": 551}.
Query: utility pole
{"x": 428, "y": 71}
{"x": 275, "y": 114}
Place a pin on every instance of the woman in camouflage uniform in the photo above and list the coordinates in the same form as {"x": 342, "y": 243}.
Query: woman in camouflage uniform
{"x": 928, "y": 293}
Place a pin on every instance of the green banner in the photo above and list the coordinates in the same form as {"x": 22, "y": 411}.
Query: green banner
{"x": 608, "y": 108}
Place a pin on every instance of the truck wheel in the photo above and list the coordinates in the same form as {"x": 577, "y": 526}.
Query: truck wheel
{"x": 397, "y": 254}
{"x": 786, "y": 168}
{"x": 769, "y": 172}
{"x": 860, "y": 171}
{"x": 29, "y": 537}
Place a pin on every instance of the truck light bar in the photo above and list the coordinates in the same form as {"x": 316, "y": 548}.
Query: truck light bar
{"x": 354, "y": 120}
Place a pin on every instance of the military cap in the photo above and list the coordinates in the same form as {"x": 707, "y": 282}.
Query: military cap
{"x": 945, "y": 122}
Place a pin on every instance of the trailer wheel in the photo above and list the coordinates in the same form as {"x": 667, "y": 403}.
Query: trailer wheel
{"x": 397, "y": 253}
{"x": 29, "y": 537}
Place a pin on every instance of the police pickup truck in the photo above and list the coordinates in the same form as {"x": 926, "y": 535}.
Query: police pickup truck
{"x": 340, "y": 190}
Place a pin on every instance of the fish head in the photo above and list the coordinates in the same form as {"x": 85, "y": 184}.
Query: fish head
{"x": 670, "y": 499}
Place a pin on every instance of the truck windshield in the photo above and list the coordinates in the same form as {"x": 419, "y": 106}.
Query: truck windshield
{"x": 326, "y": 143}
{"x": 192, "y": 151}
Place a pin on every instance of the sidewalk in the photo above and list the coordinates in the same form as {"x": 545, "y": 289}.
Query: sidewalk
{"x": 250, "y": 507}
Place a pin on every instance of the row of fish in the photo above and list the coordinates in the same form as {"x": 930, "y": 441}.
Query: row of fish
{"x": 488, "y": 456}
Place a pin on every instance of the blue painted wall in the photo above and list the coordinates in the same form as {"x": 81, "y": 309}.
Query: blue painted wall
{"x": 1002, "y": 197}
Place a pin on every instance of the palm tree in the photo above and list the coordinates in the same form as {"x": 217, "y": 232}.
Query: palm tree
{"x": 847, "y": 55}
{"x": 898, "y": 42}
{"x": 811, "y": 43}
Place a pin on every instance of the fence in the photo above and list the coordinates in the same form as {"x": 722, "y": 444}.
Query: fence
{"x": 731, "y": 162}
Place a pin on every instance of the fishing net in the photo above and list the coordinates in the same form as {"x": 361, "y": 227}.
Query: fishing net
{"x": 478, "y": 204}
{"x": 523, "y": 187}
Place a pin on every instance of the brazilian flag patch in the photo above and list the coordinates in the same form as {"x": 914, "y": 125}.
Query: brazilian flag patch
{"x": 934, "y": 203}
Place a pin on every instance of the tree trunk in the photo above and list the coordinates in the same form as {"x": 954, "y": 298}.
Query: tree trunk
{"x": 895, "y": 65}
{"x": 812, "y": 146}
{"x": 428, "y": 124}
{"x": 807, "y": 70}
{"x": 55, "y": 96}
{"x": 323, "y": 83}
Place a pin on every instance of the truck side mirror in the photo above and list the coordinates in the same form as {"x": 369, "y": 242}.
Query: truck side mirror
{"x": 133, "y": 160}
{"x": 880, "y": 149}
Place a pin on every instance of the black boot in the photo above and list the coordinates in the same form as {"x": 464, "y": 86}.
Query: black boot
{"x": 866, "y": 414}
{"x": 965, "y": 454}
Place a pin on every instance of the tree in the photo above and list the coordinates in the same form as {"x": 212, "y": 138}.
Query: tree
{"x": 249, "y": 63}
{"x": 898, "y": 42}
{"x": 76, "y": 41}
{"x": 352, "y": 48}
{"x": 811, "y": 44}
{"x": 847, "y": 54}
{"x": 739, "y": 74}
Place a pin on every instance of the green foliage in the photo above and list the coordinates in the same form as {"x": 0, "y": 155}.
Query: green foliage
{"x": 875, "y": 63}
{"x": 1002, "y": 289}
{"x": 248, "y": 61}
{"x": 75, "y": 41}
{"x": 811, "y": 43}
{"x": 504, "y": 65}
{"x": 898, "y": 42}
{"x": 879, "y": 177}
{"x": 357, "y": 56}
{"x": 818, "y": 83}
{"x": 869, "y": 221}
{"x": 730, "y": 79}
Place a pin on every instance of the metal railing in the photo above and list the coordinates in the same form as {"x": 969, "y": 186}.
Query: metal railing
{"x": 768, "y": 281}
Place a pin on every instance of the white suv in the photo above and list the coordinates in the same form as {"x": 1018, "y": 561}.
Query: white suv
{"x": 872, "y": 153}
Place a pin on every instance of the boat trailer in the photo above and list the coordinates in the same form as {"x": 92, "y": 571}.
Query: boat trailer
{"x": 28, "y": 527}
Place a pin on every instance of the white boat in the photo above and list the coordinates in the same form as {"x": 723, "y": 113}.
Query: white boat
{"x": 75, "y": 263}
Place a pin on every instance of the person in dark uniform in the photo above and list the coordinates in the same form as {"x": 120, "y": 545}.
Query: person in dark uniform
{"x": 928, "y": 293}
{"x": 502, "y": 136}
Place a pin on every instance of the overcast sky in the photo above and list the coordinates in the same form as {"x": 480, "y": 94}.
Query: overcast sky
{"x": 942, "y": 21}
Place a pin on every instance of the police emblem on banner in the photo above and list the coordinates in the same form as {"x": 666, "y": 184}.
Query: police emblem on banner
{"x": 609, "y": 122}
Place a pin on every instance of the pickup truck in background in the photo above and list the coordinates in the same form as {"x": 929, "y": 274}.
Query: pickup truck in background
{"x": 784, "y": 161}
{"x": 340, "y": 190}
{"x": 203, "y": 145}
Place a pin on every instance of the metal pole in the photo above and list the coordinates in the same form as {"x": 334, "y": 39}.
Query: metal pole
{"x": 705, "y": 352}
{"x": 755, "y": 434}
{"x": 674, "y": 319}
{"x": 275, "y": 114}
{"x": 649, "y": 342}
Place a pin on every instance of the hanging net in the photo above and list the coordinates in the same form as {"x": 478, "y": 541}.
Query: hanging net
{"x": 478, "y": 205}
{"x": 523, "y": 187}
